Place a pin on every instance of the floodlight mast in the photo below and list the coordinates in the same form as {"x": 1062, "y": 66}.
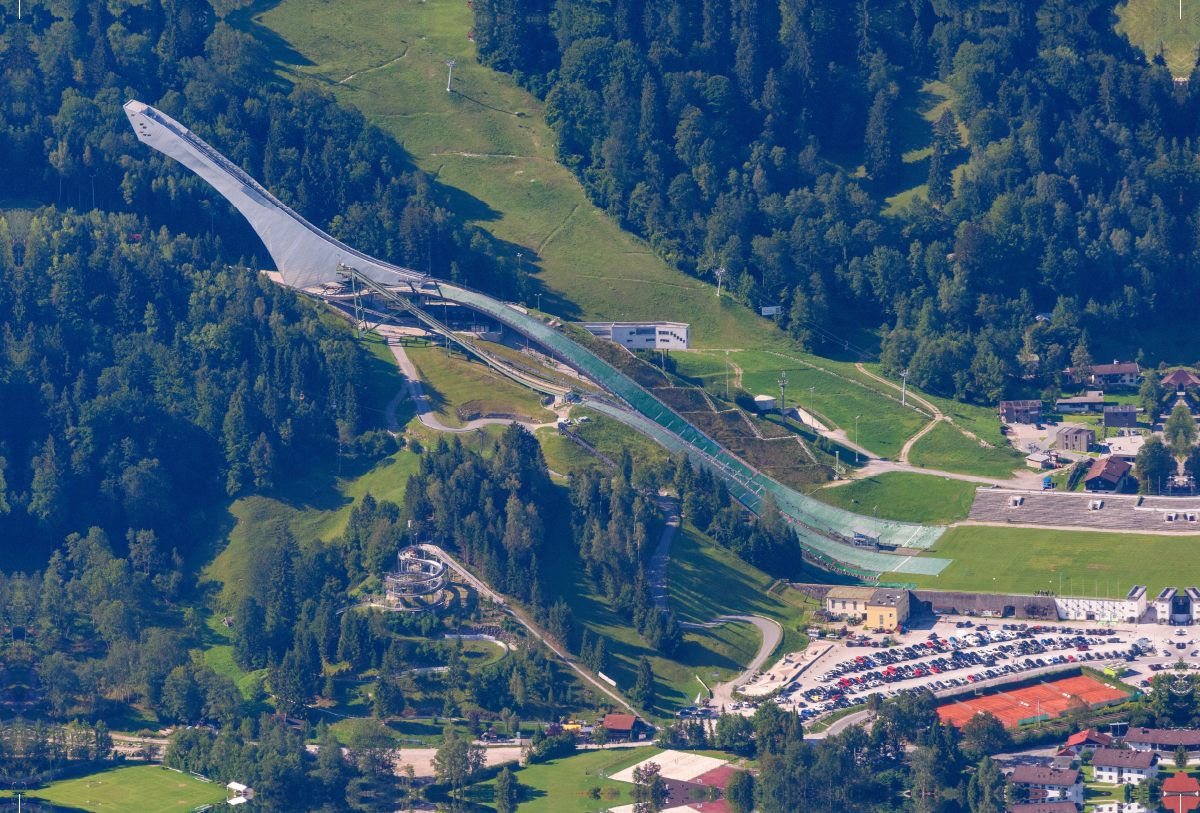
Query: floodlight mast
{"x": 451, "y": 64}
{"x": 904, "y": 388}
{"x": 720, "y": 272}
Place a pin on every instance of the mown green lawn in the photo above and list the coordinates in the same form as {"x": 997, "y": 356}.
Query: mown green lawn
{"x": 906, "y": 497}
{"x": 136, "y": 789}
{"x": 1092, "y": 562}
{"x": 946, "y": 448}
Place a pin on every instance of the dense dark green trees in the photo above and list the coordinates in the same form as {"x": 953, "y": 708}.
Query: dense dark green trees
{"x": 728, "y": 132}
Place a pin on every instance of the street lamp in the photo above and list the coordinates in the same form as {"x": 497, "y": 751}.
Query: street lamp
{"x": 720, "y": 272}
{"x": 904, "y": 388}
{"x": 539, "y": 296}
{"x": 450, "y": 76}
{"x": 811, "y": 415}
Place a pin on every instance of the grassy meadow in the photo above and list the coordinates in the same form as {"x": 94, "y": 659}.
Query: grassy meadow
{"x": 946, "y": 448}
{"x": 137, "y": 789}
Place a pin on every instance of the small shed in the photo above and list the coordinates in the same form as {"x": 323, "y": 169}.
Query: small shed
{"x": 1038, "y": 461}
{"x": 764, "y": 403}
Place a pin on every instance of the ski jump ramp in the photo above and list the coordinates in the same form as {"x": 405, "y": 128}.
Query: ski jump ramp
{"x": 306, "y": 257}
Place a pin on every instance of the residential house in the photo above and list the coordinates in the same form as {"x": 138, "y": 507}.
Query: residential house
{"x": 1107, "y": 474}
{"x": 1075, "y": 439}
{"x": 1116, "y": 374}
{"x": 623, "y": 727}
{"x": 1051, "y": 784}
{"x": 1086, "y": 740}
{"x": 1020, "y": 411}
{"x": 1120, "y": 416}
{"x": 1092, "y": 402}
{"x": 1116, "y": 767}
{"x": 1162, "y": 739}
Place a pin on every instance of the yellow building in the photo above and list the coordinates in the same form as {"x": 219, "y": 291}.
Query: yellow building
{"x": 877, "y": 607}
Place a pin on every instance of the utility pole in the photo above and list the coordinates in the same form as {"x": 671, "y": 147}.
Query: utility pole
{"x": 518, "y": 262}
{"x": 782, "y": 398}
{"x": 720, "y": 272}
{"x": 812, "y": 417}
{"x": 904, "y": 388}
{"x": 856, "y": 417}
{"x": 451, "y": 64}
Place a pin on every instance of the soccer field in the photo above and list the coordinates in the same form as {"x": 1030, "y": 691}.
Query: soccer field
{"x": 140, "y": 789}
{"x": 1091, "y": 563}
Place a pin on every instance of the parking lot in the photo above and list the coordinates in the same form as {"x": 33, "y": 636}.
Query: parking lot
{"x": 957, "y": 655}
{"x": 949, "y": 659}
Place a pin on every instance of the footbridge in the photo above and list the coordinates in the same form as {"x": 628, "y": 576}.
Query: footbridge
{"x": 308, "y": 259}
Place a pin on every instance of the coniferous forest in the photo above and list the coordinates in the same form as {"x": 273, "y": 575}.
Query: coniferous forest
{"x": 765, "y": 137}
{"x": 944, "y": 171}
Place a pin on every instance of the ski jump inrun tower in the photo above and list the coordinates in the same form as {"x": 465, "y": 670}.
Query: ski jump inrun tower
{"x": 304, "y": 255}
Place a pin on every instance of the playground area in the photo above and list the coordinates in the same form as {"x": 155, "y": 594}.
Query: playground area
{"x": 1031, "y": 703}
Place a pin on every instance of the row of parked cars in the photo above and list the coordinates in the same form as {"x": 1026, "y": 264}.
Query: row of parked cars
{"x": 866, "y": 674}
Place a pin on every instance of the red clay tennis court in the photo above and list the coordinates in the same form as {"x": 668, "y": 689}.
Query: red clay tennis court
{"x": 1013, "y": 706}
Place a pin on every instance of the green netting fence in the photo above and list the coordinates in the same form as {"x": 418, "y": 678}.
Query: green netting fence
{"x": 813, "y": 520}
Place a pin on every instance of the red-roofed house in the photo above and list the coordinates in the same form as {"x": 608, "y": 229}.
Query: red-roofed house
{"x": 1085, "y": 740}
{"x": 1181, "y": 784}
{"x": 624, "y": 726}
{"x": 1180, "y": 793}
{"x": 1107, "y": 474}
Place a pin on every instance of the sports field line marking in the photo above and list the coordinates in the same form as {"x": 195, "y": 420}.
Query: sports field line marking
{"x": 902, "y": 564}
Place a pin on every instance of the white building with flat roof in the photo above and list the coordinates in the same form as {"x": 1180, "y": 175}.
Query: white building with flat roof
{"x": 1112, "y": 610}
{"x": 642, "y": 335}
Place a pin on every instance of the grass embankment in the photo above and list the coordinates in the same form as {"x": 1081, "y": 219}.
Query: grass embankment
{"x": 905, "y": 497}
{"x": 707, "y": 581}
{"x": 136, "y": 789}
{"x": 946, "y": 448}
{"x": 608, "y": 436}
{"x": 454, "y": 385}
{"x": 883, "y": 424}
{"x": 1092, "y": 563}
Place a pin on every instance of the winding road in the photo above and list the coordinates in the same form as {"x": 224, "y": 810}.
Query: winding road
{"x": 772, "y": 634}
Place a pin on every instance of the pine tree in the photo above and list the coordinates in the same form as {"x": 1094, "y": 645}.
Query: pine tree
{"x": 237, "y": 442}
{"x": 643, "y": 690}
{"x": 880, "y": 158}
{"x": 506, "y": 792}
